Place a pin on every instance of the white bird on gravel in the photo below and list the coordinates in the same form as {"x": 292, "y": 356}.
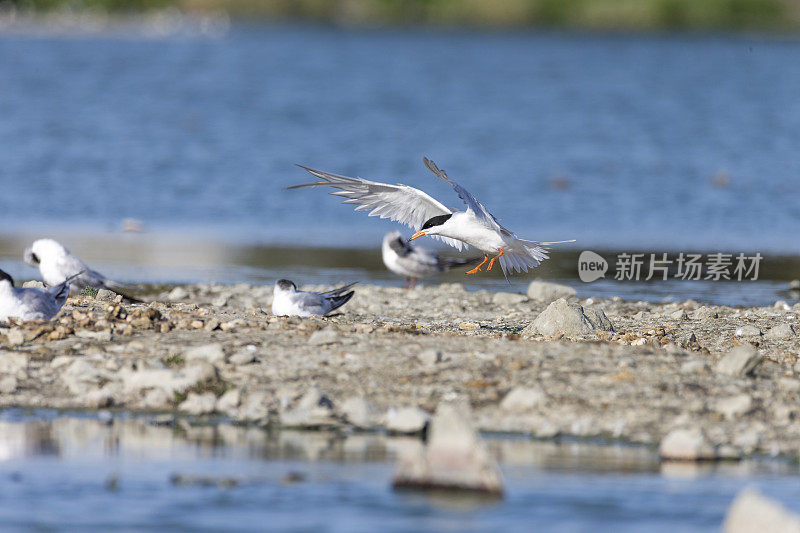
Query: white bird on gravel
{"x": 30, "y": 303}
{"x": 474, "y": 227}
{"x": 413, "y": 262}
{"x": 57, "y": 264}
{"x": 288, "y": 301}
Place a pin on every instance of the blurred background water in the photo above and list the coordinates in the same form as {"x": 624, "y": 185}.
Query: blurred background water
{"x": 623, "y": 142}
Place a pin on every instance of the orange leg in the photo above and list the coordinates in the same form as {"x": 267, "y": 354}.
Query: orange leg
{"x": 478, "y": 268}
{"x": 495, "y": 258}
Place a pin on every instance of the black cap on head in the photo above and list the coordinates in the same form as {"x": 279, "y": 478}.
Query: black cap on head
{"x": 285, "y": 284}
{"x": 436, "y": 221}
{"x": 5, "y": 276}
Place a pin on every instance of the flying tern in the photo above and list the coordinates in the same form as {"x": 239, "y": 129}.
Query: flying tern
{"x": 475, "y": 226}
{"x": 413, "y": 262}
{"x": 30, "y": 303}
{"x": 288, "y": 301}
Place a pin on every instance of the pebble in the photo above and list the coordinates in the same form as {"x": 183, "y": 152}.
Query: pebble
{"x": 242, "y": 357}
{"x": 704, "y": 313}
{"x": 212, "y": 353}
{"x": 680, "y": 314}
{"x": 15, "y": 337}
{"x": 544, "y": 291}
{"x": 780, "y": 332}
{"x": 229, "y": 401}
{"x": 747, "y": 331}
{"x": 323, "y": 337}
{"x": 360, "y": 413}
{"x": 740, "y": 361}
{"x": 314, "y": 410}
{"x": 178, "y": 293}
{"x": 406, "y": 420}
{"x": 508, "y": 298}
{"x": 686, "y": 444}
{"x": 430, "y": 357}
{"x": 523, "y": 399}
{"x": 734, "y": 406}
{"x": 198, "y": 404}
{"x": 105, "y": 295}
{"x": 8, "y": 385}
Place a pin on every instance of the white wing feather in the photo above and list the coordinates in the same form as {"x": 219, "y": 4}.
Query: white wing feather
{"x": 400, "y": 203}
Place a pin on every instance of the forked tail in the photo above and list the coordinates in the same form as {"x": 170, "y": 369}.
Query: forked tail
{"x": 338, "y": 301}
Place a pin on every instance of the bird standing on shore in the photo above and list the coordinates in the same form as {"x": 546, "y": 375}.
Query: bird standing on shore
{"x": 57, "y": 264}
{"x": 474, "y": 227}
{"x": 288, "y": 301}
{"x": 30, "y": 303}
{"x": 413, "y": 262}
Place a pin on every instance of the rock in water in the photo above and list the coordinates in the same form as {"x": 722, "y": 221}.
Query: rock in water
{"x": 751, "y": 512}
{"x": 569, "y": 319}
{"x": 455, "y": 457}
{"x": 547, "y": 292}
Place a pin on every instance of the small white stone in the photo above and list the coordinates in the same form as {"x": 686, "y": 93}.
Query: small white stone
{"x": 208, "y": 352}
{"x": 523, "y": 399}
{"x": 686, "y": 444}
{"x": 198, "y": 404}
{"x": 323, "y": 337}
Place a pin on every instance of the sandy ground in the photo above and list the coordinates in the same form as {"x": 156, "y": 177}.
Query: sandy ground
{"x": 722, "y": 382}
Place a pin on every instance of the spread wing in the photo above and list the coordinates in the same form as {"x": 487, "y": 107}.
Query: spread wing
{"x": 472, "y": 203}
{"x": 400, "y": 203}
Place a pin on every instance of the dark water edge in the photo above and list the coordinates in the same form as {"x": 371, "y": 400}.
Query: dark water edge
{"x": 62, "y": 471}
{"x": 168, "y": 259}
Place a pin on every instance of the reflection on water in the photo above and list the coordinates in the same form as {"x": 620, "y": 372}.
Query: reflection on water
{"x": 66, "y": 472}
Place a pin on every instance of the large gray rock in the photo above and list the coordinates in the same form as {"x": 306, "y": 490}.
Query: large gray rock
{"x": 455, "y": 457}
{"x": 751, "y": 512}
{"x": 569, "y": 319}
{"x": 740, "y": 361}
{"x": 686, "y": 444}
{"x": 547, "y": 292}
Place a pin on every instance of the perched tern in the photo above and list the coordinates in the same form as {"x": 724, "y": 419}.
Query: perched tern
{"x": 31, "y": 303}
{"x": 474, "y": 227}
{"x": 288, "y": 301}
{"x": 56, "y": 264}
{"x": 414, "y": 262}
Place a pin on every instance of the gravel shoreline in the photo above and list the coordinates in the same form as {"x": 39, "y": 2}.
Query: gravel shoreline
{"x": 703, "y": 382}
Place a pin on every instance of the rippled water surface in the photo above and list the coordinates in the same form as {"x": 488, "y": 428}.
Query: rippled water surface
{"x": 66, "y": 473}
{"x": 617, "y": 141}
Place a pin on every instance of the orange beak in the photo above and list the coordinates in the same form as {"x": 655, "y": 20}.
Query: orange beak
{"x": 417, "y": 234}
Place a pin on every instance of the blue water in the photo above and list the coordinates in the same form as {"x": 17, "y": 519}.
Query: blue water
{"x": 67, "y": 474}
{"x": 612, "y": 140}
